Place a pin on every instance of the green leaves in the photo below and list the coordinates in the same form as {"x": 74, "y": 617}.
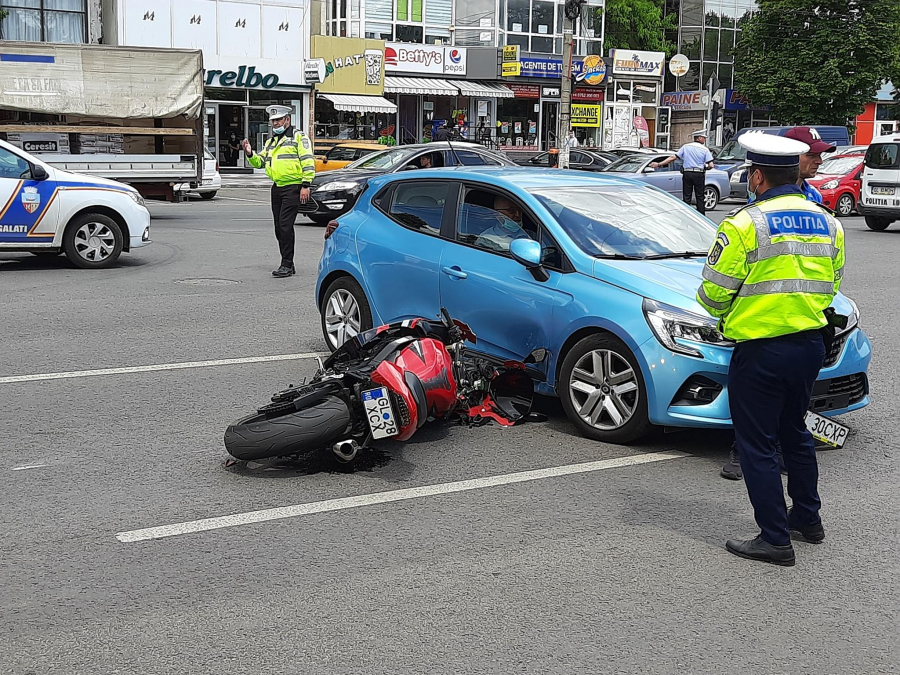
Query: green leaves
{"x": 818, "y": 61}
{"x": 638, "y": 24}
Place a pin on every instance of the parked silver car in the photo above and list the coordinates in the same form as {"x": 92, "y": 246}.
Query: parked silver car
{"x": 668, "y": 177}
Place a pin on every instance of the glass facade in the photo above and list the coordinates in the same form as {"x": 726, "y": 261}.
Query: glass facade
{"x": 44, "y": 21}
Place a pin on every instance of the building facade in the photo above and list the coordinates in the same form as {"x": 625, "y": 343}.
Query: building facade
{"x": 253, "y": 56}
{"x": 63, "y": 21}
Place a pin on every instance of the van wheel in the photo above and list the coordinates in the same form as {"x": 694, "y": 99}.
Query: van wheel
{"x": 93, "y": 241}
{"x": 209, "y": 195}
{"x": 877, "y": 224}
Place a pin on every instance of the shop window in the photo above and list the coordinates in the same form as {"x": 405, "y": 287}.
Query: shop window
{"x": 439, "y": 12}
{"x": 378, "y": 11}
{"x": 518, "y": 16}
{"x": 473, "y": 37}
{"x": 542, "y": 45}
{"x": 708, "y": 70}
{"x": 437, "y": 36}
{"x": 521, "y": 40}
{"x": 711, "y": 45}
{"x": 380, "y": 31}
{"x": 885, "y": 111}
{"x": 410, "y": 33}
{"x": 726, "y": 45}
{"x": 691, "y": 41}
{"x": 409, "y": 10}
{"x": 543, "y": 17}
{"x": 726, "y": 75}
{"x": 692, "y": 12}
{"x": 44, "y": 21}
{"x": 472, "y": 12}
{"x": 420, "y": 206}
{"x": 690, "y": 81}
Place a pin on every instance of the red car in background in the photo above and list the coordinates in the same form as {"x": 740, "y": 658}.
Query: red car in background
{"x": 840, "y": 180}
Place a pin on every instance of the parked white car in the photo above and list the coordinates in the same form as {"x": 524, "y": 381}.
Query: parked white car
{"x": 212, "y": 180}
{"x": 48, "y": 211}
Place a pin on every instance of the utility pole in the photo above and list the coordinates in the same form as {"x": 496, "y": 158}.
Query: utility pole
{"x": 572, "y": 11}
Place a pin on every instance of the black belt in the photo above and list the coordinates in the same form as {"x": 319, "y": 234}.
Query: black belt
{"x": 695, "y": 170}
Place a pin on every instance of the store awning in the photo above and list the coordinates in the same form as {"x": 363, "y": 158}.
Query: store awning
{"x": 484, "y": 89}
{"x": 365, "y": 104}
{"x": 419, "y": 85}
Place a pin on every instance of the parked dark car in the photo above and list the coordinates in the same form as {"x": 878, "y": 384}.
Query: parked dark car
{"x": 335, "y": 192}
{"x": 579, "y": 158}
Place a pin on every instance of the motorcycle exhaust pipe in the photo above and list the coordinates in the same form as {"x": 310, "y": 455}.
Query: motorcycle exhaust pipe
{"x": 345, "y": 451}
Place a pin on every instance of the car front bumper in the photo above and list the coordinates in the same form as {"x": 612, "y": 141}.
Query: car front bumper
{"x": 139, "y": 228}
{"x": 333, "y": 203}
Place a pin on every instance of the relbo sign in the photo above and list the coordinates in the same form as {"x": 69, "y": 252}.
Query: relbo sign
{"x": 425, "y": 59}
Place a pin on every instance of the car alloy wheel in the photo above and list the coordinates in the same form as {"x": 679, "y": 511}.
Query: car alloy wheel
{"x": 94, "y": 242}
{"x": 604, "y": 389}
{"x": 342, "y": 317}
{"x": 845, "y": 205}
{"x": 710, "y": 198}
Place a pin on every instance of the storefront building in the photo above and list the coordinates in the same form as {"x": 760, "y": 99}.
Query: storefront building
{"x": 253, "y": 56}
{"x": 879, "y": 117}
{"x": 348, "y": 76}
{"x": 634, "y": 93}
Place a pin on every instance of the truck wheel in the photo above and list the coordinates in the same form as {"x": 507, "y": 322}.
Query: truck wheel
{"x": 209, "y": 195}
{"x": 877, "y": 224}
{"x": 93, "y": 241}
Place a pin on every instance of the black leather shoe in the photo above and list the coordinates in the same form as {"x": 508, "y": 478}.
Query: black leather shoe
{"x": 760, "y": 549}
{"x": 284, "y": 271}
{"x": 811, "y": 534}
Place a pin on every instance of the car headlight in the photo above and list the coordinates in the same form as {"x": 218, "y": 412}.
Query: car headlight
{"x": 335, "y": 185}
{"x": 830, "y": 185}
{"x": 136, "y": 198}
{"x": 852, "y": 320}
{"x": 671, "y": 325}
{"x": 737, "y": 176}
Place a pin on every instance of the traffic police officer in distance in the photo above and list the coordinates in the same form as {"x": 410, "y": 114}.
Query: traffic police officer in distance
{"x": 288, "y": 159}
{"x": 770, "y": 275}
{"x": 696, "y": 159}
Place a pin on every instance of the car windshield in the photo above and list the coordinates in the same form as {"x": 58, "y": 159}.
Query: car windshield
{"x": 385, "y": 160}
{"x": 629, "y": 164}
{"x": 732, "y": 150}
{"x": 839, "y": 166}
{"x": 627, "y": 221}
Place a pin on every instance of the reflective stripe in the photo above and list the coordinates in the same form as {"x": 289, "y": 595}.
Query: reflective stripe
{"x": 309, "y": 156}
{"x": 762, "y": 227}
{"x": 289, "y": 144}
{"x": 720, "y": 279}
{"x": 787, "y": 286}
{"x": 706, "y": 300}
{"x": 791, "y": 248}
{"x": 287, "y": 155}
{"x": 839, "y": 273}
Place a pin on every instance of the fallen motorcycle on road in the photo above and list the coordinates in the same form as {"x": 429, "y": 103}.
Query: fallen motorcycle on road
{"x": 385, "y": 384}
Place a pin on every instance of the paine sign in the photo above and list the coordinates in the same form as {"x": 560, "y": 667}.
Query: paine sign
{"x": 585, "y": 115}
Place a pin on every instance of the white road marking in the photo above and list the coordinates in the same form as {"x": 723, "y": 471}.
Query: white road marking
{"x": 387, "y": 497}
{"x": 241, "y": 199}
{"x": 29, "y": 466}
{"x": 155, "y": 367}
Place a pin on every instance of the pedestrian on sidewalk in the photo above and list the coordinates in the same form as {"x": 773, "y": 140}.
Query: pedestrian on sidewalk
{"x": 288, "y": 159}
{"x": 771, "y": 274}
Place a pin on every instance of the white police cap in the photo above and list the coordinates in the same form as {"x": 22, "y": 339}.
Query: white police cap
{"x": 698, "y": 133}
{"x": 278, "y": 111}
{"x": 770, "y": 150}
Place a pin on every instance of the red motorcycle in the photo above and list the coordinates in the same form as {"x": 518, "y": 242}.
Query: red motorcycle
{"x": 386, "y": 383}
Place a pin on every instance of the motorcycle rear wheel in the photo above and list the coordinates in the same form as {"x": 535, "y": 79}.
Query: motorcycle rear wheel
{"x": 314, "y": 428}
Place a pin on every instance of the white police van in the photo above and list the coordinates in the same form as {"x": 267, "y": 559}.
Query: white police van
{"x": 879, "y": 199}
{"x": 48, "y": 211}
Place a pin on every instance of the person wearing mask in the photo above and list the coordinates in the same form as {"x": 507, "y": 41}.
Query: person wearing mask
{"x": 771, "y": 273}
{"x": 288, "y": 160}
{"x": 571, "y": 141}
{"x": 697, "y": 160}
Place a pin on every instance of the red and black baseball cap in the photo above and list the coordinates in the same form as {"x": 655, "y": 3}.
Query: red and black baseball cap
{"x": 812, "y": 138}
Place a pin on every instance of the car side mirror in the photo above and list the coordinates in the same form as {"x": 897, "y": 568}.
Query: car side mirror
{"x": 324, "y": 161}
{"x": 648, "y": 169}
{"x": 526, "y": 252}
{"x": 38, "y": 172}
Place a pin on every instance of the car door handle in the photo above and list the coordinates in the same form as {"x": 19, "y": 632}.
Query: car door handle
{"x": 454, "y": 272}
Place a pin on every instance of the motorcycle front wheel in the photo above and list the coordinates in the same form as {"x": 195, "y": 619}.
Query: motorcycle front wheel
{"x": 313, "y": 428}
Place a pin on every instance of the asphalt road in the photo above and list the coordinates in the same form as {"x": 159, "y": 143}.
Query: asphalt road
{"x": 620, "y": 569}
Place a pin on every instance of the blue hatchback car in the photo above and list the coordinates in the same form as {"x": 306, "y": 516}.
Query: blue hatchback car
{"x": 599, "y": 271}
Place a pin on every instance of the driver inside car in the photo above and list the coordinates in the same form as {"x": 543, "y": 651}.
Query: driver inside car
{"x": 506, "y": 227}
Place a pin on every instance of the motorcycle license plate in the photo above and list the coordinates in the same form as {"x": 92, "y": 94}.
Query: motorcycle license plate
{"x": 826, "y": 430}
{"x": 380, "y": 413}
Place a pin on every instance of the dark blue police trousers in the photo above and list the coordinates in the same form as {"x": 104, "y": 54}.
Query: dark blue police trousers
{"x": 770, "y": 382}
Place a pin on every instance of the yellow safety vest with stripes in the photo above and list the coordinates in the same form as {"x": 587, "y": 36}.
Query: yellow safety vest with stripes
{"x": 288, "y": 159}
{"x": 773, "y": 269}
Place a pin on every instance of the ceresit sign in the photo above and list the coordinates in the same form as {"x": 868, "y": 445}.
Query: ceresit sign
{"x": 425, "y": 59}
{"x": 634, "y": 62}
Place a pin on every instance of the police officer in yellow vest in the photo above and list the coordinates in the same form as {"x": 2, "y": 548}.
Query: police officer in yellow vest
{"x": 288, "y": 159}
{"x": 770, "y": 275}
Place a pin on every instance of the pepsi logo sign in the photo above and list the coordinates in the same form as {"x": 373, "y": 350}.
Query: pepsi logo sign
{"x": 455, "y": 56}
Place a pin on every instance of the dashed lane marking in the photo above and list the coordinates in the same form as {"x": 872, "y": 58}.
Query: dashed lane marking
{"x": 12, "y": 379}
{"x": 358, "y": 501}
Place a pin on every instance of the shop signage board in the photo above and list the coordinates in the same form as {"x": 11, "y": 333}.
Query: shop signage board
{"x": 424, "y": 59}
{"x": 686, "y": 100}
{"x": 593, "y": 70}
{"x": 634, "y": 62}
{"x": 244, "y": 76}
{"x": 735, "y": 100}
{"x": 525, "y": 90}
{"x": 585, "y": 115}
{"x": 586, "y": 95}
{"x": 510, "y": 69}
{"x": 679, "y": 65}
{"x": 346, "y": 65}
{"x": 595, "y": 73}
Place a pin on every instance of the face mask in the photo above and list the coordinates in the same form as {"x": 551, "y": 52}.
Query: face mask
{"x": 751, "y": 194}
{"x": 278, "y": 130}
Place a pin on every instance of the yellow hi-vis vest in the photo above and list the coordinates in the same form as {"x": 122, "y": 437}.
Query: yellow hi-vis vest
{"x": 773, "y": 269}
{"x": 288, "y": 159}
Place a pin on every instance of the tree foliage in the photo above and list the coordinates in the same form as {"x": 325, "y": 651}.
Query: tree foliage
{"x": 637, "y": 24}
{"x": 818, "y": 61}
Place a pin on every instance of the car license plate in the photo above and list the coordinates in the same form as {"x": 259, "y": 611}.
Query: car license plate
{"x": 826, "y": 430}
{"x": 882, "y": 190}
{"x": 207, "y": 181}
{"x": 380, "y": 413}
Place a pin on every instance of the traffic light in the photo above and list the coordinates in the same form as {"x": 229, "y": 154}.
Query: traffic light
{"x": 714, "y": 118}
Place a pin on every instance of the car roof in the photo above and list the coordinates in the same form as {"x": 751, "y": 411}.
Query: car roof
{"x": 512, "y": 177}
{"x": 361, "y": 144}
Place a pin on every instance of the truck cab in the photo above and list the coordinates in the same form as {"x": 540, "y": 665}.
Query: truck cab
{"x": 47, "y": 211}
{"x": 879, "y": 198}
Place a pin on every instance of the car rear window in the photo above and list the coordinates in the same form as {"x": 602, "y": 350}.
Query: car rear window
{"x": 883, "y": 156}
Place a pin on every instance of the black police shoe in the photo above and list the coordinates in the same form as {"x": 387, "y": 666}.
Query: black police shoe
{"x": 760, "y": 549}
{"x": 732, "y": 468}
{"x": 811, "y": 534}
{"x": 284, "y": 271}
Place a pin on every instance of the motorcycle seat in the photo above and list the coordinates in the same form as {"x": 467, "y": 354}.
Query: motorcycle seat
{"x": 417, "y": 389}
